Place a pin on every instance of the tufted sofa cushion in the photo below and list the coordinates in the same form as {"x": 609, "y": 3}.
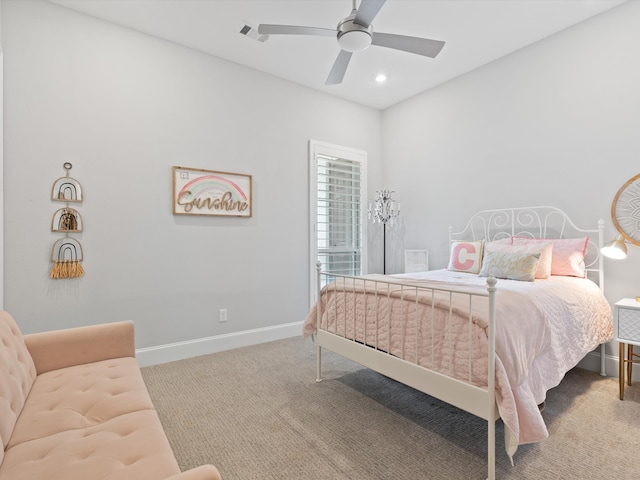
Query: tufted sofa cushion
{"x": 81, "y": 396}
{"x": 130, "y": 446}
{"x": 17, "y": 374}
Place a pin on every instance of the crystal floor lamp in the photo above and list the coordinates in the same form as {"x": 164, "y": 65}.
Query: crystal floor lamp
{"x": 384, "y": 210}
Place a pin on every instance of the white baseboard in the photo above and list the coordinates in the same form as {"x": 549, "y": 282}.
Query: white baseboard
{"x": 611, "y": 363}
{"x": 203, "y": 346}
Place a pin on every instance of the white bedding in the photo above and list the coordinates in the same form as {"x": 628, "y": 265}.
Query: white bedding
{"x": 543, "y": 329}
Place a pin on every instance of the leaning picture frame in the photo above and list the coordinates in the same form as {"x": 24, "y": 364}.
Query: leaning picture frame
{"x": 209, "y": 192}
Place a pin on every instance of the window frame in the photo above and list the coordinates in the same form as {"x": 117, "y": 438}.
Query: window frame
{"x": 317, "y": 148}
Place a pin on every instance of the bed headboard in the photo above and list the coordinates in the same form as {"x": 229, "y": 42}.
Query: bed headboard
{"x": 535, "y": 222}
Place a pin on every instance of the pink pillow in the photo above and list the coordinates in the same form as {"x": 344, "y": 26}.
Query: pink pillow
{"x": 567, "y": 257}
{"x": 501, "y": 241}
{"x": 545, "y": 249}
{"x": 465, "y": 257}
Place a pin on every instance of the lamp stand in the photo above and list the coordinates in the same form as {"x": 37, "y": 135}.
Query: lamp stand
{"x": 384, "y": 248}
{"x": 385, "y": 210}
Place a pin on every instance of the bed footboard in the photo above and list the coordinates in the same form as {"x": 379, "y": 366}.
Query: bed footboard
{"x": 439, "y": 341}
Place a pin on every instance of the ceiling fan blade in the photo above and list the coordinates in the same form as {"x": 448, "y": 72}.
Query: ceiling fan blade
{"x": 367, "y": 11}
{"x": 420, "y": 46}
{"x": 266, "y": 29}
{"x": 339, "y": 68}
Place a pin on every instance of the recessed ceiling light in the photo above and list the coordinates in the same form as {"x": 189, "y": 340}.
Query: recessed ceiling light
{"x": 380, "y": 78}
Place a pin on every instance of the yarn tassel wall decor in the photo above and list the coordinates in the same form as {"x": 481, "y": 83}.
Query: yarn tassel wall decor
{"x": 66, "y": 254}
{"x": 66, "y": 220}
{"x": 66, "y": 269}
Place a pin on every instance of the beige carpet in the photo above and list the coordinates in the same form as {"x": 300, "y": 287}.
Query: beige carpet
{"x": 257, "y": 413}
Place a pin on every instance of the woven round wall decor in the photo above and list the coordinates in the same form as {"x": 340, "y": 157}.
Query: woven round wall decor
{"x": 625, "y": 210}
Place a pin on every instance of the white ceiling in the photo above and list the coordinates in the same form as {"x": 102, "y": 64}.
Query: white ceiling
{"x": 476, "y": 32}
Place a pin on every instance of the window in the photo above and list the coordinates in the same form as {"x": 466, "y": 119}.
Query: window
{"x": 338, "y": 192}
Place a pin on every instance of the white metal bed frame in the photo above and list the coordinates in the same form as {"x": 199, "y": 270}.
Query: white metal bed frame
{"x": 533, "y": 222}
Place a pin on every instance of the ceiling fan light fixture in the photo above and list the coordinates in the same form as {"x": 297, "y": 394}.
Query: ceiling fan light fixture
{"x": 354, "y": 40}
{"x": 353, "y": 37}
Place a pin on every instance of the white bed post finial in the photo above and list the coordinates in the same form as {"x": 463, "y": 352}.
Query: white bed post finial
{"x": 491, "y": 380}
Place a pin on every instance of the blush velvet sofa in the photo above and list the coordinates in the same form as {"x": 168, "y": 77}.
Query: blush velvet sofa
{"x": 73, "y": 405}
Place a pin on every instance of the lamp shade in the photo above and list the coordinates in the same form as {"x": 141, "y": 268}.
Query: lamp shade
{"x": 615, "y": 249}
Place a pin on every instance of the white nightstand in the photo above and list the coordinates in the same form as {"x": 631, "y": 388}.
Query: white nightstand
{"x": 627, "y": 330}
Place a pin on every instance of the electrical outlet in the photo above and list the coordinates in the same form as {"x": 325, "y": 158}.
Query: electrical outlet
{"x": 222, "y": 315}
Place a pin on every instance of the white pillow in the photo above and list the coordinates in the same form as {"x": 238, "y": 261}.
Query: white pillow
{"x": 545, "y": 249}
{"x": 512, "y": 266}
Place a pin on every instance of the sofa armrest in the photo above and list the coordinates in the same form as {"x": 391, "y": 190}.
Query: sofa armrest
{"x": 203, "y": 472}
{"x": 76, "y": 346}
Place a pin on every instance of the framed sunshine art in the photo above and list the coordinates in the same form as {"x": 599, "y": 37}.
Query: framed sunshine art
{"x": 208, "y": 192}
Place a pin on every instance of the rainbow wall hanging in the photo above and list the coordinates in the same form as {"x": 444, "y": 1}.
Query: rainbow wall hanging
{"x": 66, "y": 253}
{"x": 208, "y": 192}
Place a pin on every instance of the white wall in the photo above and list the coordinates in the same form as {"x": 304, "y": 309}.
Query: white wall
{"x": 123, "y": 107}
{"x": 555, "y": 124}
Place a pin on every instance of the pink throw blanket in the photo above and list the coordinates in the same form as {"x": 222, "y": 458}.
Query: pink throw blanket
{"x": 544, "y": 328}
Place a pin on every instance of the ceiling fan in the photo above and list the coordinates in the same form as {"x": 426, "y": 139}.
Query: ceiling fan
{"x": 355, "y": 34}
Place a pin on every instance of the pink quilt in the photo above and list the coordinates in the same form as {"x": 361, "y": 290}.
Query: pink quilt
{"x": 543, "y": 329}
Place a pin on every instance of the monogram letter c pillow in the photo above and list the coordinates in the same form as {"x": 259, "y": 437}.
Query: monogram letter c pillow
{"x": 465, "y": 257}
